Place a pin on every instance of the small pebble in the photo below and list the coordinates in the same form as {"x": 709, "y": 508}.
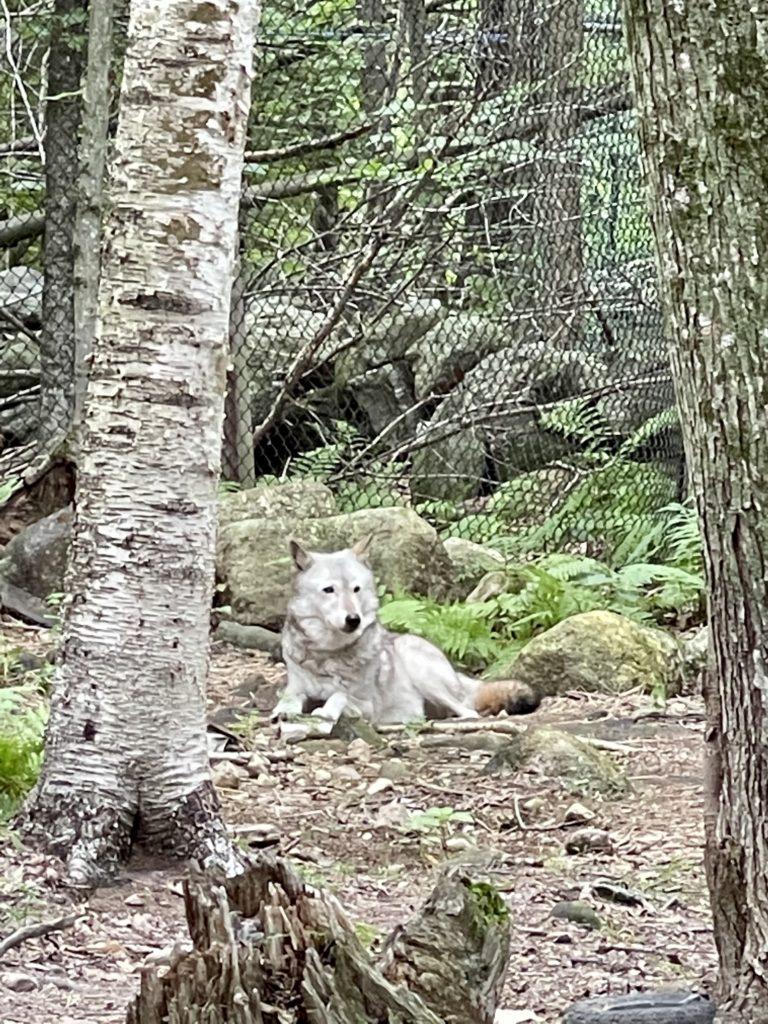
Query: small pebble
{"x": 585, "y": 840}
{"x": 257, "y": 764}
{"x": 578, "y": 912}
{"x": 16, "y": 981}
{"x": 578, "y": 814}
{"x": 379, "y": 786}
{"x": 228, "y": 776}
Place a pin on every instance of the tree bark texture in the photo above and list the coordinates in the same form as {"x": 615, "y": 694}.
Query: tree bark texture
{"x": 62, "y": 118}
{"x": 126, "y": 744}
{"x": 267, "y": 948}
{"x": 700, "y": 72}
{"x": 90, "y": 191}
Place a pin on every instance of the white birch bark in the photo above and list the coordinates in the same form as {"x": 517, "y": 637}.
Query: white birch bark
{"x": 126, "y": 747}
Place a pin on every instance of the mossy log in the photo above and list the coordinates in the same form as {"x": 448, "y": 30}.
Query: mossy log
{"x": 268, "y": 949}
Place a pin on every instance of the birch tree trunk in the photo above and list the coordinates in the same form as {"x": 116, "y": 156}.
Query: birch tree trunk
{"x": 126, "y": 747}
{"x": 700, "y": 72}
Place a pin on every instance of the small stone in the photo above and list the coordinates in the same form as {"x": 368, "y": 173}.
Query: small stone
{"x": 293, "y": 732}
{"x": 135, "y": 900}
{"x": 346, "y": 773}
{"x": 228, "y": 776}
{"x": 391, "y": 814}
{"x": 588, "y": 840}
{"x": 379, "y": 786}
{"x": 258, "y": 835}
{"x": 533, "y": 804}
{"x": 578, "y": 814}
{"x": 279, "y": 756}
{"x": 322, "y": 775}
{"x": 455, "y": 844}
{"x": 359, "y": 750}
{"x": 257, "y": 764}
{"x": 265, "y": 781}
{"x": 394, "y": 769}
{"x": 16, "y": 981}
{"x": 578, "y": 912}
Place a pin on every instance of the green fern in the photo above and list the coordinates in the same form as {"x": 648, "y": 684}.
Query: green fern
{"x": 22, "y": 725}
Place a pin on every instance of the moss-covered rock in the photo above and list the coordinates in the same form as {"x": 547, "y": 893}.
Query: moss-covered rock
{"x": 303, "y": 499}
{"x": 597, "y": 651}
{"x": 254, "y": 565}
{"x": 577, "y": 765}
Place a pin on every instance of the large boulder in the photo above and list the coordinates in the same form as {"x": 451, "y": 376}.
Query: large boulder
{"x": 35, "y": 559}
{"x": 384, "y": 337}
{"x": 453, "y": 347}
{"x": 575, "y": 764}
{"x": 492, "y": 417}
{"x": 21, "y": 293}
{"x": 470, "y": 562}
{"x": 303, "y": 499}
{"x": 598, "y": 651}
{"x": 254, "y": 565}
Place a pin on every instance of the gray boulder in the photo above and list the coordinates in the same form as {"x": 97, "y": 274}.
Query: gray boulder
{"x": 385, "y": 337}
{"x": 492, "y": 416}
{"x": 470, "y": 562}
{"x": 35, "y": 559}
{"x": 578, "y": 766}
{"x": 302, "y": 499}
{"x": 21, "y": 293}
{"x": 254, "y": 565}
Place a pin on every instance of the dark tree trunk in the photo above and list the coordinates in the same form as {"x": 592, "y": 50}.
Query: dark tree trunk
{"x": 63, "y": 115}
{"x": 701, "y": 80}
{"x": 268, "y": 948}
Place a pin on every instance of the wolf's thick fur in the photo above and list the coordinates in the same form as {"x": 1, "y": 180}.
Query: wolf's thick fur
{"x": 339, "y": 655}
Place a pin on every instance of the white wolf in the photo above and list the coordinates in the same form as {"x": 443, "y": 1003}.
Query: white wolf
{"x": 339, "y": 655}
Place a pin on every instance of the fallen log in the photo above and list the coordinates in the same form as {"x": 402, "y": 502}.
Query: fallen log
{"x": 268, "y": 949}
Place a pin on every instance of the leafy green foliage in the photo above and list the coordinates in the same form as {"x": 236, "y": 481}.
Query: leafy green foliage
{"x": 665, "y": 585}
{"x": 22, "y": 724}
{"x": 23, "y": 715}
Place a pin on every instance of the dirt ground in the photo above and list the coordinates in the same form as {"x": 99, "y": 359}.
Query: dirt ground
{"x": 343, "y": 812}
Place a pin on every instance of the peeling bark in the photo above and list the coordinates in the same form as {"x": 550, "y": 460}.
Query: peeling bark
{"x": 701, "y": 81}
{"x": 267, "y": 948}
{"x": 126, "y": 747}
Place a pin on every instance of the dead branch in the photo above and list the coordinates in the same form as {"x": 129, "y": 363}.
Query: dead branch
{"x": 35, "y": 931}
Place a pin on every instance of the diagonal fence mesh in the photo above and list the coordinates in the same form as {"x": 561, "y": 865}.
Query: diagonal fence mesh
{"x": 446, "y": 297}
{"x": 446, "y": 294}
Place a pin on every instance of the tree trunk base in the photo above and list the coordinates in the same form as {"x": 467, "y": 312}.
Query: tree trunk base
{"x": 270, "y": 950}
{"x": 94, "y": 837}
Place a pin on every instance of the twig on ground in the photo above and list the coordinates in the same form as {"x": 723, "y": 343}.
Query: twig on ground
{"x": 35, "y": 931}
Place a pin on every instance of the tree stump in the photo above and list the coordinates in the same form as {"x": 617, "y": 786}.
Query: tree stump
{"x": 268, "y": 949}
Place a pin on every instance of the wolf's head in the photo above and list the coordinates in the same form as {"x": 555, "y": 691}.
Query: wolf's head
{"x": 334, "y": 595}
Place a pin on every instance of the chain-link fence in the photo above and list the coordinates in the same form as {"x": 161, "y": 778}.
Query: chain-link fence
{"x": 446, "y": 296}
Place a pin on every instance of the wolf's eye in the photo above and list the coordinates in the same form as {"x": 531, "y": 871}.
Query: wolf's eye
{"x": 357, "y": 590}
{"x": 327, "y": 590}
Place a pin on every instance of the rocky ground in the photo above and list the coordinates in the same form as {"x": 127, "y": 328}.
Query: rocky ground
{"x": 362, "y": 820}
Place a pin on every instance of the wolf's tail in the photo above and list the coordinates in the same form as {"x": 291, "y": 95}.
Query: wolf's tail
{"x": 506, "y": 695}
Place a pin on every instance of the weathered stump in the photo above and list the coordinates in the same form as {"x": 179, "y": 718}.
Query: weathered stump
{"x": 267, "y": 948}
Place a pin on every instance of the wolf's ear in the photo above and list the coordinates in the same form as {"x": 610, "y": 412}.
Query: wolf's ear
{"x": 360, "y": 547}
{"x": 301, "y": 558}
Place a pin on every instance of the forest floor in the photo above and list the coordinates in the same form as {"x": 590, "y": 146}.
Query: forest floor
{"x": 343, "y": 813}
